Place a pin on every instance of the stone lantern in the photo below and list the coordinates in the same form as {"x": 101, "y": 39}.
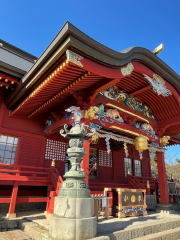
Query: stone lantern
{"x": 73, "y": 217}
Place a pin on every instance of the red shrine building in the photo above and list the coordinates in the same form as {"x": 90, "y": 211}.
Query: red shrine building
{"x": 131, "y": 98}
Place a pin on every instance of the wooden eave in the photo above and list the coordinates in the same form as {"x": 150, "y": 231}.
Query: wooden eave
{"x": 52, "y": 82}
{"x": 70, "y": 36}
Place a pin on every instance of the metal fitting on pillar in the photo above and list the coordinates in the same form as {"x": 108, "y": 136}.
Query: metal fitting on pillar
{"x": 53, "y": 162}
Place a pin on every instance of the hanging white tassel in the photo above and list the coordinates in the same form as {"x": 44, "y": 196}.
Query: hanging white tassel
{"x": 108, "y": 145}
{"x": 140, "y": 154}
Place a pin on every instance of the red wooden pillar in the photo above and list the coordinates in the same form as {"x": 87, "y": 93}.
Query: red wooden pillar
{"x": 163, "y": 186}
{"x": 85, "y": 162}
{"x": 12, "y": 206}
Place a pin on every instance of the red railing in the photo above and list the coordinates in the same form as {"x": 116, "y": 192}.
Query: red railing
{"x": 141, "y": 182}
{"x": 32, "y": 176}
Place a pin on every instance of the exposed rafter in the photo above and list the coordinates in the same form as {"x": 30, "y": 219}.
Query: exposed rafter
{"x": 7, "y": 81}
{"x": 68, "y": 88}
{"x": 140, "y": 90}
{"x": 168, "y": 122}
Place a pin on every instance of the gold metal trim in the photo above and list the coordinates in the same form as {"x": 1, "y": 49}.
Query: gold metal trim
{"x": 121, "y": 109}
{"x": 128, "y": 131}
{"x": 133, "y": 190}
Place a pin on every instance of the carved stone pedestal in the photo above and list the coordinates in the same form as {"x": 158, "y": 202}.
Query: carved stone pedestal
{"x": 73, "y": 219}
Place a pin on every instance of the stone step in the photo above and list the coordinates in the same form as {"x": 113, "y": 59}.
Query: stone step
{"x": 32, "y": 229}
{"x": 14, "y": 235}
{"x": 172, "y": 234}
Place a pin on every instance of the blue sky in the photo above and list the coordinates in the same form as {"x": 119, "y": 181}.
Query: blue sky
{"x": 32, "y": 24}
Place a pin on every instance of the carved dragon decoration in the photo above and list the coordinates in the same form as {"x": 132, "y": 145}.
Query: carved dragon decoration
{"x": 117, "y": 95}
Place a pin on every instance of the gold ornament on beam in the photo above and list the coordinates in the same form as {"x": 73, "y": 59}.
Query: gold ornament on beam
{"x": 148, "y": 186}
{"x": 53, "y": 162}
{"x": 94, "y": 139}
{"x": 90, "y": 113}
{"x": 126, "y": 149}
{"x": 165, "y": 140}
{"x": 141, "y": 143}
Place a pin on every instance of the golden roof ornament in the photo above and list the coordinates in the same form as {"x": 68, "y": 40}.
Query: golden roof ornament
{"x": 165, "y": 140}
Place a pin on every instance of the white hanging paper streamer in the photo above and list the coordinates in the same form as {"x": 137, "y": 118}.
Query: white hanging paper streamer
{"x": 140, "y": 154}
{"x": 126, "y": 149}
{"x": 108, "y": 145}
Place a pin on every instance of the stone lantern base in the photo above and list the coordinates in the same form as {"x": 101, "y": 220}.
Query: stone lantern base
{"x": 73, "y": 219}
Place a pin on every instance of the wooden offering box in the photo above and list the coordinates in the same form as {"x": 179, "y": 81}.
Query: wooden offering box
{"x": 126, "y": 202}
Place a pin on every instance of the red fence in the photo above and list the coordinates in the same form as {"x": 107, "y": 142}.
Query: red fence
{"x": 32, "y": 176}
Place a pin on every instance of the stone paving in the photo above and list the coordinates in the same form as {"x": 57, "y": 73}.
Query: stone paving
{"x": 104, "y": 227}
{"x": 111, "y": 225}
{"x": 14, "y": 235}
{"x": 108, "y": 226}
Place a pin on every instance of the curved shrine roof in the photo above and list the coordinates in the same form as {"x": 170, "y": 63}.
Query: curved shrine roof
{"x": 54, "y": 79}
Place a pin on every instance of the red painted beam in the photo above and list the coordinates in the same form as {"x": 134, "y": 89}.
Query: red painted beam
{"x": 25, "y": 199}
{"x": 9, "y": 78}
{"x": 103, "y": 86}
{"x": 116, "y": 73}
{"x": 38, "y": 199}
{"x": 107, "y": 101}
{"x": 123, "y": 126}
{"x": 99, "y": 69}
{"x": 18, "y": 167}
{"x": 175, "y": 140}
{"x": 5, "y": 200}
{"x": 34, "y": 183}
{"x": 23, "y": 178}
{"x": 168, "y": 122}
{"x": 59, "y": 124}
{"x": 140, "y": 90}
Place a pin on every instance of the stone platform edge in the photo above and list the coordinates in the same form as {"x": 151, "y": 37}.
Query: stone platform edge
{"x": 136, "y": 232}
{"x": 140, "y": 231}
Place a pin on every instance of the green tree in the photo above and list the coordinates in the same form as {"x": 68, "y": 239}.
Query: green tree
{"x": 172, "y": 165}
